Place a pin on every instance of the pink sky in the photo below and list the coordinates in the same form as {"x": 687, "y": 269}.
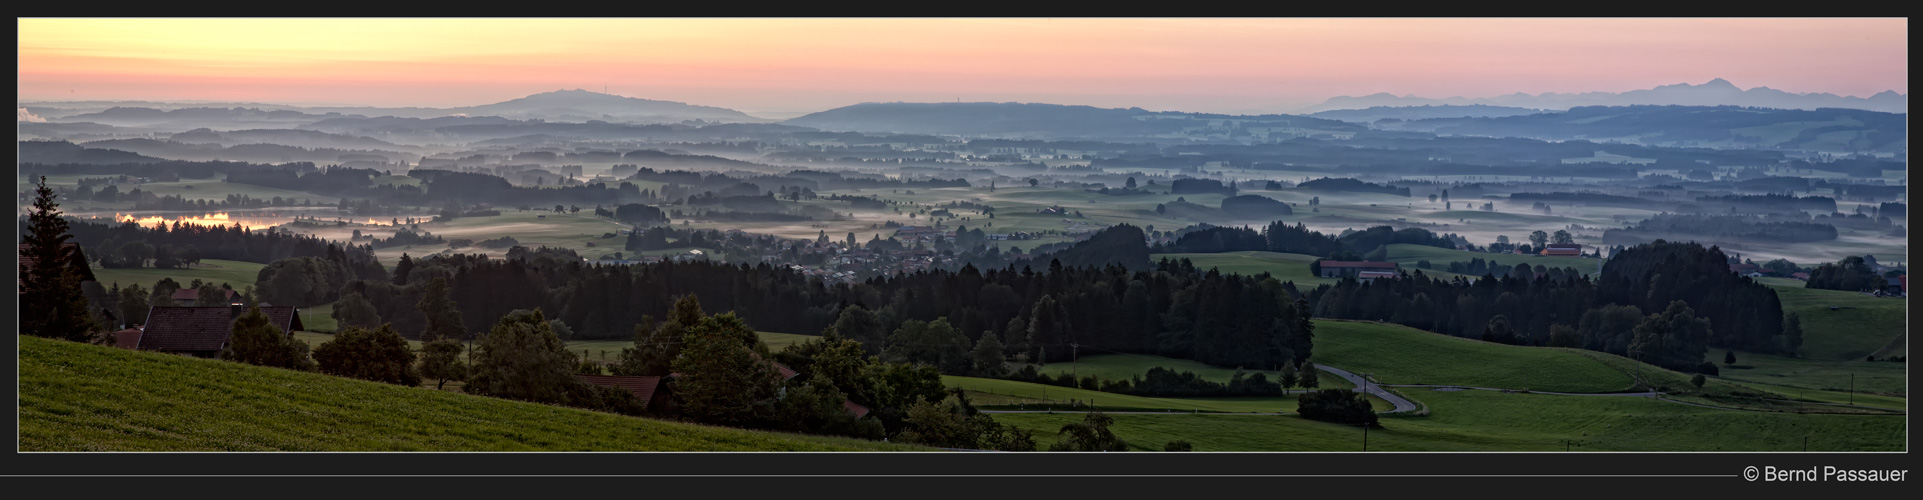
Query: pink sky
{"x": 795, "y": 65}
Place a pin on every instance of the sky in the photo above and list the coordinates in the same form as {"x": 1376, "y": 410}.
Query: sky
{"x": 785, "y": 66}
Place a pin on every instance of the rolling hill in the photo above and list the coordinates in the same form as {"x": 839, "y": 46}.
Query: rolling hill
{"x": 80, "y": 397}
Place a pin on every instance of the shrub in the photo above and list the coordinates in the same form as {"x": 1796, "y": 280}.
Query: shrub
{"x": 1337, "y": 405}
{"x": 380, "y": 355}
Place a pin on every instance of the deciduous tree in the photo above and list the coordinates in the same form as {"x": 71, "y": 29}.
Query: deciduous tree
{"x": 380, "y": 355}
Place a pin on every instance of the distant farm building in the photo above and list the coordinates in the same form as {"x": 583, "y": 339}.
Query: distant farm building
{"x": 1375, "y": 275}
{"x": 205, "y": 331}
{"x": 650, "y": 391}
{"x": 78, "y": 263}
{"x": 1340, "y": 268}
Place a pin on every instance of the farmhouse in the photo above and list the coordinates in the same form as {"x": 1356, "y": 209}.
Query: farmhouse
{"x": 205, "y": 331}
{"x": 655, "y": 396}
{"x": 1340, "y": 268}
{"x": 1562, "y": 249}
{"x": 127, "y": 339}
{"x": 78, "y": 262}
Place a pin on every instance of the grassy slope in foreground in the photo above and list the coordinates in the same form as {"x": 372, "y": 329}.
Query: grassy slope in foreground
{"x": 78, "y": 397}
{"x": 1493, "y": 421}
{"x": 1397, "y": 354}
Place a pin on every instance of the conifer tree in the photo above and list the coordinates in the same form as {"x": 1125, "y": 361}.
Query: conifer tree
{"x": 51, "y": 303}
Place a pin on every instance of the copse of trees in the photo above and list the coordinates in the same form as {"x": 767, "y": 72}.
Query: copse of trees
{"x": 1341, "y": 406}
{"x": 1281, "y": 237}
{"x": 1850, "y": 274}
{"x": 1745, "y": 315}
{"x": 521, "y": 358}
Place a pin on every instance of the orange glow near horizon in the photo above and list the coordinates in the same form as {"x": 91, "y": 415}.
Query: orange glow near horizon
{"x": 210, "y": 220}
{"x": 814, "y": 64}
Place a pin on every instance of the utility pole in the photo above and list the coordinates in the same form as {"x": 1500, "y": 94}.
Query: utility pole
{"x": 1075, "y": 361}
{"x": 1852, "y": 388}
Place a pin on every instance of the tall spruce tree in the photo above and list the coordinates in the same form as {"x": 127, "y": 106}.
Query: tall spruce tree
{"x": 51, "y": 303}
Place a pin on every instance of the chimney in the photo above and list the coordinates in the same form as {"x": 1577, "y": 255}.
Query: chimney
{"x": 235, "y": 308}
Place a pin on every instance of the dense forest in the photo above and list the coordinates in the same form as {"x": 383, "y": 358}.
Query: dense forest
{"x": 1171, "y": 310}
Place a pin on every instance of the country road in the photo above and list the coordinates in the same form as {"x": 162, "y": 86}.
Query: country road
{"x": 1401, "y": 404}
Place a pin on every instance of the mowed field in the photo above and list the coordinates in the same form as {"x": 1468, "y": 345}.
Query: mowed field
{"x": 1860, "y": 324}
{"x": 236, "y": 273}
{"x": 1395, "y": 354}
{"x": 1284, "y": 266}
{"x": 1128, "y": 366}
{"x": 1878, "y": 377}
{"x": 79, "y": 397}
{"x": 1495, "y": 421}
{"x": 1002, "y": 393}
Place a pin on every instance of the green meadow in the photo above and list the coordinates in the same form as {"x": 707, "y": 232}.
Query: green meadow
{"x": 1395, "y": 354}
{"x": 80, "y": 397}
{"x": 1494, "y": 421}
{"x": 236, "y": 273}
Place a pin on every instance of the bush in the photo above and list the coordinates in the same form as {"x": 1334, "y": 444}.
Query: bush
{"x": 1337, "y": 405}
{"x": 1178, "y": 445}
{"x": 380, "y": 355}
{"x": 1707, "y": 368}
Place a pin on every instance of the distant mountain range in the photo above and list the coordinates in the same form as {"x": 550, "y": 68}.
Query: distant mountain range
{"x": 1047, "y": 121}
{"x": 1422, "y": 112}
{"x": 1717, "y": 92}
{"x": 599, "y": 106}
{"x": 561, "y": 105}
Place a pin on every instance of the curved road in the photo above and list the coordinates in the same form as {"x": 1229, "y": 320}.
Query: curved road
{"x": 1401, "y": 405}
